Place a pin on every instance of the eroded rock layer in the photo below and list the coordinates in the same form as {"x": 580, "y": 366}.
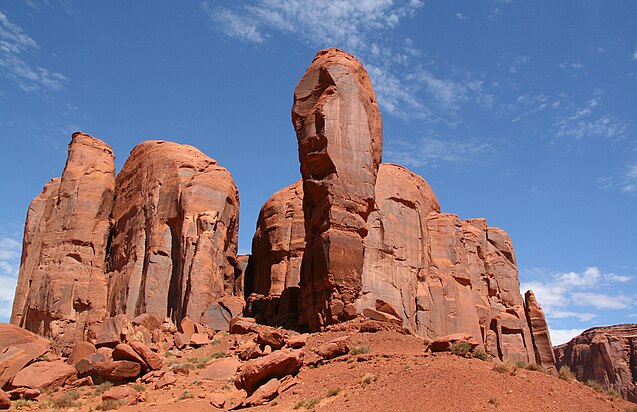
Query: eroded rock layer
{"x": 607, "y": 355}
{"x": 339, "y": 131}
{"x": 174, "y": 241}
{"x": 62, "y": 281}
{"x": 274, "y": 270}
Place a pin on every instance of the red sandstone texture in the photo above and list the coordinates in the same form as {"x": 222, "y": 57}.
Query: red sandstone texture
{"x": 607, "y": 355}
{"x": 62, "y": 282}
{"x": 339, "y": 131}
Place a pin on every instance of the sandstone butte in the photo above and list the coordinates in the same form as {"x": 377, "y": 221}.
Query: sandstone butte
{"x": 607, "y": 355}
{"x": 354, "y": 238}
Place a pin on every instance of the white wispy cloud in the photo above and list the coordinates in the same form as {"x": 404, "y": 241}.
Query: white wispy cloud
{"x": 584, "y": 121}
{"x": 406, "y": 87}
{"x": 560, "y": 336}
{"x": 9, "y": 264}
{"x": 15, "y": 44}
{"x": 635, "y": 53}
{"x": 433, "y": 152}
{"x": 630, "y": 180}
{"x": 461, "y": 17}
{"x": 561, "y": 293}
{"x": 518, "y": 61}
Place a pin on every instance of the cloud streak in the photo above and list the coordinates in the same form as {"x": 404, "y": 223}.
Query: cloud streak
{"x": 14, "y": 45}
{"x": 432, "y": 152}
{"x": 9, "y": 265}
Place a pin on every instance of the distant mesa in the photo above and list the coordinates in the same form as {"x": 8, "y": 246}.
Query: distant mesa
{"x": 354, "y": 239}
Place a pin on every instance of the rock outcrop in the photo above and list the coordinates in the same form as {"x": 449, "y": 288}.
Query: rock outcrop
{"x": 161, "y": 238}
{"x": 607, "y": 355}
{"x": 274, "y": 270}
{"x": 339, "y": 131}
{"x": 62, "y": 281}
{"x": 387, "y": 254}
{"x": 174, "y": 241}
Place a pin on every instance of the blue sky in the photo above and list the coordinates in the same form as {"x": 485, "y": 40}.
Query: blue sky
{"x": 521, "y": 112}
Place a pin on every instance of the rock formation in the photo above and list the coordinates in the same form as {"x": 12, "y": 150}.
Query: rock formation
{"x": 387, "y": 254}
{"x": 339, "y": 131}
{"x": 174, "y": 240}
{"x": 607, "y": 355}
{"x": 62, "y": 281}
{"x": 97, "y": 246}
{"x": 274, "y": 270}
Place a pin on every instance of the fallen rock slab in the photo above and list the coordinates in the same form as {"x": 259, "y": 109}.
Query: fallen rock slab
{"x": 151, "y": 358}
{"x": 221, "y": 369}
{"x": 264, "y": 394}
{"x": 118, "y": 370}
{"x": 444, "y": 343}
{"x": 167, "y": 378}
{"x": 199, "y": 339}
{"x": 5, "y": 402}
{"x": 124, "y": 351}
{"x": 124, "y": 394}
{"x": 276, "y": 365}
{"x": 23, "y": 393}
{"x": 45, "y": 375}
{"x": 334, "y": 348}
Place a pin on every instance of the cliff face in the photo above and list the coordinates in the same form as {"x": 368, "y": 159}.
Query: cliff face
{"x": 376, "y": 244}
{"x": 62, "y": 282}
{"x": 97, "y": 246}
{"x": 607, "y": 355}
{"x": 174, "y": 241}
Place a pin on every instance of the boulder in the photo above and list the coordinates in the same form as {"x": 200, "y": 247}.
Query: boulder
{"x": 23, "y": 393}
{"x": 45, "y": 375}
{"x": 297, "y": 341}
{"x": 199, "y": 339}
{"x": 124, "y": 393}
{"x": 81, "y": 350}
{"x": 263, "y": 394}
{"x": 187, "y": 327}
{"x": 151, "y": 358}
{"x": 85, "y": 381}
{"x": 339, "y": 132}
{"x": 125, "y": 352}
{"x": 181, "y": 340}
{"x": 605, "y": 355}
{"x": 167, "y": 379}
{"x": 334, "y": 348}
{"x": 62, "y": 283}
{"x": 278, "y": 364}
{"x": 444, "y": 343}
{"x": 5, "y": 402}
{"x": 176, "y": 210}
{"x": 272, "y": 337}
{"x": 18, "y": 348}
{"x": 117, "y": 370}
{"x": 241, "y": 326}
{"x": 220, "y": 369}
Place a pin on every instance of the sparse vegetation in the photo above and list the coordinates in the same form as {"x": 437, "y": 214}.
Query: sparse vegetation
{"x": 629, "y": 409}
{"x": 197, "y": 382}
{"x": 312, "y": 403}
{"x": 47, "y": 404}
{"x": 215, "y": 342}
{"x": 368, "y": 378}
{"x": 139, "y": 387}
{"x": 357, "y": 350}
{"x": 534, "y": 367}
{"x": 493, "y": 401}
{"x": 273, "y": 403}
{"x": 566, "y": 373}
{"x": 109, "y": 405}
{"x": 480, "y": 354}
{"x": 186, "y": 394}
{"x": 195, "y": 363}
{"x": 596, "y": 386}
{"x": 461, "y": 348}
{"x": 333, "y": 391}
{"x": 613, "y": 394}
{"x": 103, "y": 387}
{"x": 22, "y": 403}
{"x": 228, "y": 385}
{"x": 67, "y": 400}
{"x": 501, "y": 368}
{"x": 298, "y": 404}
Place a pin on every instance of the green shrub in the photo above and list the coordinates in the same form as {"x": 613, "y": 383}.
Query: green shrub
{"x": 357, "y": 350}
{"x": 312, "y": 403}
{"x": 596, "y": 386}
{"x": 186, "y": 394}
{"x": 298, "y": 404}
{"x": 613, "y": 394}
{"x": 461, "y": 348}
{"x": 67, "y": 400}
{"x": 480, "y": 354}
{"x": 110, "y": 404}
{"x": 138, "y": 387}
{"x": 535, "y": 367}
{"x": 333, "y": 391}
{"x": 22, "y": 403}
{"x": 103, "y": 387}
{"x": 566, "y": 373}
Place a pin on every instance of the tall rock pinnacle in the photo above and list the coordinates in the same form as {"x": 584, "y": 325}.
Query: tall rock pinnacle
{"x": 339, "y": 131}
{"x": 62, "y": 282}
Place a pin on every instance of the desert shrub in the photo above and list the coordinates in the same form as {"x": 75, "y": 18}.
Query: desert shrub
{"x": 357, "y": 350}
{"x": 109, "y": 405}
{"x": 501, "y": 368}
{"x": 613, "y": 394}
{"x": 566, "y": 373}
{"x": 103, "y": 387}
{"x": 480, "y": 354}
{"x": 138, "y": 387}
{"x": 535, "y": 367}
{"x": 196, "y": 382}
{"x": 630, "y": 409}
{"x": 596, "y": 386}
{"x": 215, "y": 342}
{"x": 22, "y": 403}
{"x": 461, "y": 348}
{"x": 312, "y": 403}
{"x": 521, "y": 365}
{"x": 493, "y": 401}
{"x": 186, "y": 394}
{"x": 67, "y": 400}
{"x": 298, "y": 404}
{"x": 333, "y": 391}
{"x": 368, "y": 378}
